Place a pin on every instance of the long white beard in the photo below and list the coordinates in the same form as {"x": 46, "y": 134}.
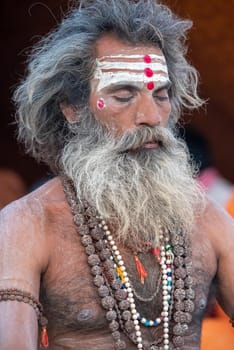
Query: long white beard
{"x": 133, "y": 189}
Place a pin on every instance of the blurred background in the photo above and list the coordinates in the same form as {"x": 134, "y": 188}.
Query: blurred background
{"x": 209, "y": 132}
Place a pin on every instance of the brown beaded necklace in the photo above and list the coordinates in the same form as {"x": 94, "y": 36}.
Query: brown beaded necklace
{"x": 113, "y": 297}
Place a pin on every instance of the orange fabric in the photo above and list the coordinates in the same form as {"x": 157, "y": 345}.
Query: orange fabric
{"x": 230, "y": 205}
{"x": 217, "y": 332}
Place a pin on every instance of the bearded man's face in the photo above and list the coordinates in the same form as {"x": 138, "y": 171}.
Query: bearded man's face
{"x": 124, "y": 159}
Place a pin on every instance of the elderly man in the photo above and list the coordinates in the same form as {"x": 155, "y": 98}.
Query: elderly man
{"x": 121, "y": 250}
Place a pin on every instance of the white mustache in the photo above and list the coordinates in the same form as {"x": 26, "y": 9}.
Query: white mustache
{"x": 133, "y": 140}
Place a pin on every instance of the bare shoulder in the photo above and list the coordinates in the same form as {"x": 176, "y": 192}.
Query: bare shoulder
{"x": 25, "y": 234}
{"x": 33, "y": 209}
{"x": 217, "y": 225}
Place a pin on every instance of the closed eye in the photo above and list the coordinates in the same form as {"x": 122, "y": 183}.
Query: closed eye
{"x": 123, "y": 99}
{"x": 161, "y": 98}
{"x": 122, "y": 93}
{"x": 162, "y": 94}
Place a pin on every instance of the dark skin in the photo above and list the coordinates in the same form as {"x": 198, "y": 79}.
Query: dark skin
{"x": 53, "y": 253}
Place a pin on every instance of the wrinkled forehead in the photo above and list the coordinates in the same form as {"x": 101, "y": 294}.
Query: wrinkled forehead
{"x": 150, "y": 69}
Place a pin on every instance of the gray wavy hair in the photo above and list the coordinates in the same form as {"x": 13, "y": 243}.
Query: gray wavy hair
{"x": 61, "y": 65}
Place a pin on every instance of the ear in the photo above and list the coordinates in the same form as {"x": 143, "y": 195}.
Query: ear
{"x": 69, "y": 112}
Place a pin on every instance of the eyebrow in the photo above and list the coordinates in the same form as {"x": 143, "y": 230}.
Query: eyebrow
{"x": 132, "y": 86}
{"x": 166, "y": 86}
{"x": 123, "y": 86}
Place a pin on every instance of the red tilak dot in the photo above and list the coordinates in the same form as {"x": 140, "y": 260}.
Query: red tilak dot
{"x": 100, "y": 103}
{"x": 150, "y": 85}
{"x": 148, "y": 72}
{"x": 147, "y": 59}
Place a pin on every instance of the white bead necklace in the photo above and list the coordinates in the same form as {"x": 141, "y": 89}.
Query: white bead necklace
{"x": 165, "y": 260}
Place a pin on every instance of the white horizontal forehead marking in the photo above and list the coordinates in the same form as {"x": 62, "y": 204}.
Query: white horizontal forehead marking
{"x": 136, "y": 66}
{"x": 110, "y": 78}
{"x": 152, "y": 56}
{"x": 124, "y": 70}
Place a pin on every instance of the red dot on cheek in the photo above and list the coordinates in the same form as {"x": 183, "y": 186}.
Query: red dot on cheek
{"x": 147, "y": 59}
{"x": 100, "y": 103}
{"x": 150, "y": 85}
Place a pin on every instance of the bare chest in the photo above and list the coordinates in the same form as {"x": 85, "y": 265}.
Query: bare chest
{"x": 72, "y": 297}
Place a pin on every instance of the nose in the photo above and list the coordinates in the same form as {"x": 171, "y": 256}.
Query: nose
{"x": 148, "y": 113}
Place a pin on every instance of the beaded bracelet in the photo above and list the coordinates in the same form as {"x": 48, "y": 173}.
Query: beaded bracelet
{"x": 25, "y": 297}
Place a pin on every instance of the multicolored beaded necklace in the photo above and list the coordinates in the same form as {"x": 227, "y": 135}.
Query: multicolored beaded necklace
{"x": 165, "y": 257}
{"x": 115, "y": 288}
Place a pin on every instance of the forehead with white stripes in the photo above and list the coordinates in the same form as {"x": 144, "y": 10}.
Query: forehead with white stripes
{"x": 150, "y": 69}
